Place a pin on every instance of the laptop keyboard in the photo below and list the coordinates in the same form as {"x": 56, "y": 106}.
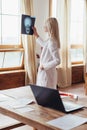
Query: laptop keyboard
{"x": 69, "y": 106}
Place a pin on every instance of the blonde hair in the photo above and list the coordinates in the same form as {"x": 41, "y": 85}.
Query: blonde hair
{"x": 53, "y": 29}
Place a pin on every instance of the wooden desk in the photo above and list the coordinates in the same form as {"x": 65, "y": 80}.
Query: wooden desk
{"x": 8, "y": 122}
{"x": 40, "y": 115}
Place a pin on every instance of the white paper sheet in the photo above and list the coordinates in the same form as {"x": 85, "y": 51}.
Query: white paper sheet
{"x": 22, "y": 102}
{"x": 68, "y": 122}
{"x": 25, "y": 100}
{"x": 4, "y": 97}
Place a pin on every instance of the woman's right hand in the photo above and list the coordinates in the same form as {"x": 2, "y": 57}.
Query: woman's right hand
{"x": 35, "y": 32}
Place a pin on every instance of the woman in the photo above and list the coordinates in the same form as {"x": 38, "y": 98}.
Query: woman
{"x": 50, "y": 58}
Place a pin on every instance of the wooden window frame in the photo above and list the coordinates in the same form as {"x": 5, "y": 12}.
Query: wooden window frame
{"x": 76, "y": 46}
{"x": 12, "y": 48}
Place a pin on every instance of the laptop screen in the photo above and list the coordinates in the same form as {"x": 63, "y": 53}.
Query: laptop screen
{"x": 47, "y": 97}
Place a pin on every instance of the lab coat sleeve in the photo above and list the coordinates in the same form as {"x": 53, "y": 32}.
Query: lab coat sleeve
{"x": 40, "y": 42}
{"x": 54, "y": 51}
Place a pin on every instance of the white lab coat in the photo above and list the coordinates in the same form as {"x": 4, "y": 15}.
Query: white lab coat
{"x": 49, "y": 58}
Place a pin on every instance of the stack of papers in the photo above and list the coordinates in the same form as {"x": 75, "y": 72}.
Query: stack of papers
{"x": 68, "y": 122}
{"x": 21, "y": 105}
{"x": 22, "y": 102}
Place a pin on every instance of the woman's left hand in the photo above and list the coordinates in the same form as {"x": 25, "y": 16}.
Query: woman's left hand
{"x": 41, "y": 67}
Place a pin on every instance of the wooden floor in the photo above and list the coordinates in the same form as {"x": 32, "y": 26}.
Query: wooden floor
{"x": 75, "y": 88}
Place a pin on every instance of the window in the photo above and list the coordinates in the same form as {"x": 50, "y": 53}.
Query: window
{"x": 76, "y": 31}
{"x": 77, "y": 11}
{"x": 11, "y": 50}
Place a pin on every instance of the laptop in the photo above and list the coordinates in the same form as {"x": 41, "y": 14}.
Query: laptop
{"x": 50, "y": 98}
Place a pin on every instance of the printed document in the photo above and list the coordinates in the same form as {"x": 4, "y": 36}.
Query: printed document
{"x": 68, "y": 122}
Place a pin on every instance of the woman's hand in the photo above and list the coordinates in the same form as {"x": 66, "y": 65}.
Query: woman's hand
{"x": 41, "y": 67}
{"x": 35, "y": 32}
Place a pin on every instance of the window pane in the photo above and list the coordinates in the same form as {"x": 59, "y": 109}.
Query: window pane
{"x": 10, "y": 7}
{"x": 10, "y": 29}
{"x": 77, "y": 15}
{"x": 13, "y": 59}
{"x": 76, "y": 55}
{"x": 1, "y": 59}
{"x": 76, "y": 29}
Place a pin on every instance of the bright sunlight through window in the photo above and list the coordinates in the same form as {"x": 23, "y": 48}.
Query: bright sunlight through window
{"x": 76, "y": 37}
{"x": 11, "y": 51}
{"x": 77, "y": 30}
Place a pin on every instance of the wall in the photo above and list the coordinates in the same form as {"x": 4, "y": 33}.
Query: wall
{"x": 77, "y": 74}
{"x": 17, "y": 78}
{"x": 12, "y": 79}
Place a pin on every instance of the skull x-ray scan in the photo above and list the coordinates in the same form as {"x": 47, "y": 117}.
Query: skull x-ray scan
{"x": 27, "y": 24}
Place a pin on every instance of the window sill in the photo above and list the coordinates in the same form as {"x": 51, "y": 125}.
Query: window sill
{"x": 77, "y": 65}
{"x": 12, "y": 71}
